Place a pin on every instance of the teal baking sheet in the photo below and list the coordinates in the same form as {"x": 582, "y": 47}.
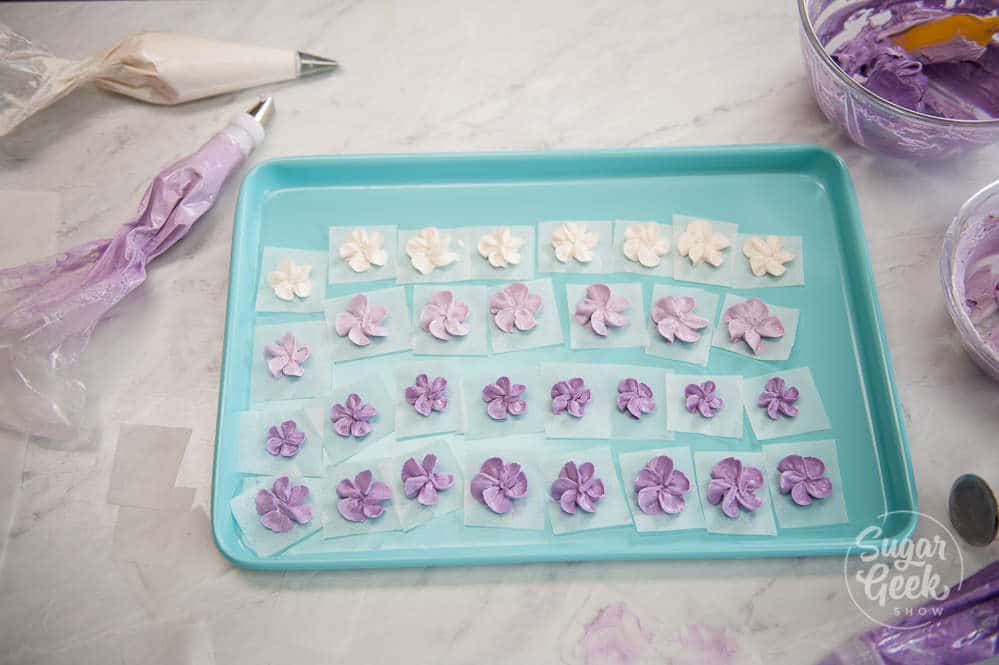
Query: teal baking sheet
{"x": 782, "y": 189}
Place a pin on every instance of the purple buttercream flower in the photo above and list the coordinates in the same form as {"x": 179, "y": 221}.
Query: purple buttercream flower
{"x": 804, "y": 479}
{"x": 577, "y": 487}
{"x": 427, "y": 395}
{"x": 733, "y": 486}
{"x": 601, "y": 308}
{"x": 981, "y": 293}
{"x": 285, "y": 357}
{"x": 444, "y": 316}
{"x": 362, "y": 498}
{"x": 703, "y": 399}
{"x": 514, "y": 306}
{"x": 570, "y": 396}
{"x": 503, "y": 398}
{"x": 675, "y": 319}
{"x": 284, "y": 439}
{"x": 660, "y": 487}
{"x": 361, "y": 321}
{"x": 634, "y": 398}
{"x": 422, "y": 482}
{"x": 778, "y": 400}
{"x": 497, "y": 485}
{"x": 351, "y": 418}
{"x": 750, "y": 321}
{"x": 283, "y": 505}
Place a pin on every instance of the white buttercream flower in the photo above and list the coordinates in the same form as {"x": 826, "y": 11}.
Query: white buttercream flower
{"x": 700, "y": 243}
{"x": 363, "y": 250}
{"x": 290, "y": 280}
{"x": 766, "y": 255}
{"x": 642, "y": 244}
{"x": 572, "y": 240}
{"x": 429, "y": 250}
{"x": 501, "y": 247}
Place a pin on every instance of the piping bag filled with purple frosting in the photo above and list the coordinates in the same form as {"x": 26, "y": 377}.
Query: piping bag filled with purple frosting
{"x": 49, "y": 308}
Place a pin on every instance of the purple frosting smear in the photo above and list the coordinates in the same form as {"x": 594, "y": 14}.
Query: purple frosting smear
{"x": 285, "y": 440}
{"x": 285, "y": 357}
{"x": 351, "y": 418}
{"x": 577, "y": 487}
{"x": 660, "y": 487}
{"x": 503, "y": 398}
{"x": 282, "y": 506}
{"x": 734, "y": 487}
{"x": 601, "y": 308}
{"x": 362, "y": 498}
{"x": 804, "y": 479}
{"x": 634, "y": 398}
{"x": 570, "y": 397}
{"x": 497, "y": 485}
{"x": 778, "y": 399}
{"x": 427, "y": 396}
{"x": 422, "y": 482}
{"x": 703, "y": 399}
{"x": 750, "y": 321}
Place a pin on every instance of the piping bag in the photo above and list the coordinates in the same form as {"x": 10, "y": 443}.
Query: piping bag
{"x": 49, "y": 308}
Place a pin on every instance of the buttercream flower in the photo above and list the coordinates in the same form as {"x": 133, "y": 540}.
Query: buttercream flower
{"x": 750, "y": 321}
{"x": 430, "y": 249}
{"x": 444, "y": 316}
{"x": 351, "y": 418}
{"x": 427, "y": 395}
{"x": 675, "y": 319}
{"x": 601, "y": 308}
{"x": 733, "y": 486}
{"x": 290, "y": 280}
{"x": 634, "y": 398}
{"x": 285, "y": 357}
{"x": 981, "y": 294}
{"x": 361, "y": 321}
{"x": 778, "y": 400}
{"x": 572, "y": 240}
{"x": 766, "y": 255}
{"x": 283, "y": 505}
{"x": 422, "y": 482}
{"x": 501, "y": 248}
{"x": 514, "y": 306}
{"x": 362, "y": 498}
{"x": 703, "y": 399}
{"x": 642, "y": 244}
{"x": 571, "y": 397}
{"x": 804, "y": 479}
{"x": 284, "y": 440}
{"x": 700, "y": 243}
{"x": 497, "y": 485}
{"x": 660, "y": 487}
{"x": 577, "y": 487}
{"x": 362, "y": 249}
{"x": 503, "y": 398}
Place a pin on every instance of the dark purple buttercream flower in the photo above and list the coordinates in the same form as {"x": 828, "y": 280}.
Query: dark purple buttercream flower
{"x": 750, "y": 321}
{"x": 362, "y": 498}
{"x": 778, "y": 400}
{"x": 577, "y": 487}
{"x": 514, "y": 306}
{"x": 703, "y": 399}
{"x": 421, "y": 480}
{"x": 601, "y": 308}
{"x": 284, "y": 439}
{"x": 675, "y": 319}
{"x": 660, "y": 487}
{"x": 285, "y": 357}
{"x": 351, "y": 418}
{"x": 427, "y": 395}
{"x": 503, "y": 398}
{"x": 283, "y": 505}
{"x": 634, "y": 398}
{"x": 570, "y": 396}
{"x": 804, "y": 479}
{"x": 733, "y": 486}
{"x": 497, "y": 485}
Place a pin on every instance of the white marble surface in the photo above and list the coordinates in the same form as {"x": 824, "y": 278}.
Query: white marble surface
{"x": 438, "y": 75}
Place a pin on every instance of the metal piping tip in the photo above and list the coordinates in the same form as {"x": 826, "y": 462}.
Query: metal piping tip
{"x": 309, "y": 64}
{"x": 262, "y": 110}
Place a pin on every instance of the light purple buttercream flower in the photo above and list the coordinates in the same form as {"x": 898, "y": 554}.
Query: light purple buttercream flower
{"x": 444, "y": 316}
{"x": 660, "y": 487}
{"x": 733, "y": 486}
{"x": 634, "y": 398}
{"x": 351, "y": 418}
{"x": 283, "y": 505}
{"x": 285, "y": 357}
{"x": 804, "y": 479}
{"x": 504, "y": 398}
{"x": 284, "y": 440}
{"x": 601, "y": 308}
{"x": 778, "y": 400}
{"x": 577, "y": 487}
{"x": 981, "y": 293}
{"x": 362, "y": 498}
{"x": 497, "y": 485}
{"x": 514, "y": 306}
{"x": 427, "y": 395}
{"x": 675, "y": 319}
{"x": 750, "y": 321}
{"x": 571, "y": 397}
{"x": 703, "y": 399}
{"x": 361, "y": 321}
{"x": 421, "y": 480}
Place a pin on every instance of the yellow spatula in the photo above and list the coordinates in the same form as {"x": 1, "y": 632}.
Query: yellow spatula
{"x": 939, "y": 31}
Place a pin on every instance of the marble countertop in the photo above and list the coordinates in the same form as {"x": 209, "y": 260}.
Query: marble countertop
{"x": 83, "y": 580}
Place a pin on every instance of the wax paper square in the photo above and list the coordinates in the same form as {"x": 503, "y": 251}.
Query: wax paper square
{"x": 596, "y": 421}
{"x": 548, "y": 331}
{"x": 457, "y": 271}
{"x": 480, "y": 425}
{"x": 695, "y": 353}
{"x": 621, "y": 263}
{"x": 336, "y": 525}
{"x": 651, "y": 426}
{"x": 601, "y": 253}
{"x": 612, "y": 509}
{"x": 410, "y": 511}
{"x": 691, "y": 517}
{"x": 253, "y": 433}
{"x": 759, "y": 522}
{"x": 267, "y": 300}
{"x": 409, "y": 423}
{"x": 318, "y": 367}
{"x": 774, "y": 349}
{"x": 705, "y": 273}
{"x": 372, "y": 390}
{"x": 821, "y": 512}
{"x": 811, "y": 413}
{"x": 479, "y": 266}
{"x": 794, "y": 274}
{"x": 727, "y": 421}
{"x": 634, "y": 334}
{"x": 259, "y": 538}
{"x": 475, "y": 343}
{"x": 398, "y": 322}
{"x": 528, "y": 511}
{"x": 340, "y": 271}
